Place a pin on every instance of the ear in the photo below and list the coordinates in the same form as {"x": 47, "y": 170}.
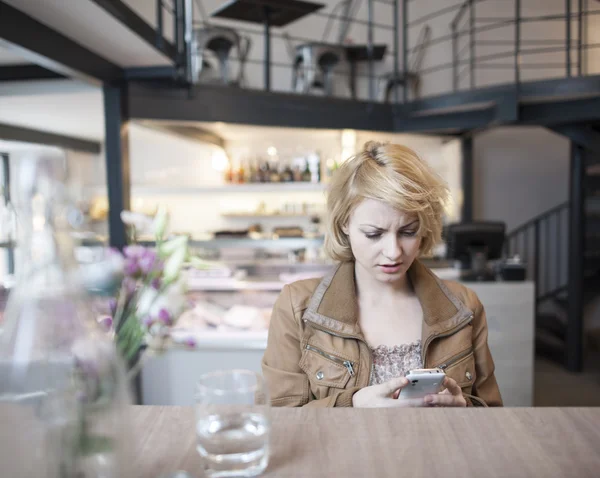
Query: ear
{"x": 345, "y": 229}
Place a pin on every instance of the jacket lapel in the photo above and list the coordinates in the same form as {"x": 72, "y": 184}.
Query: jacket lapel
{"x": 334, "y": 304}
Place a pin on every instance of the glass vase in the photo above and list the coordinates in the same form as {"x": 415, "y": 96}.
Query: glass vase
{"x": 63, "y": 393}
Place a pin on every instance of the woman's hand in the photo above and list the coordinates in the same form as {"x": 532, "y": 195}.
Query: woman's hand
{"x": 451, "y": 397}
{"x": 384, "y": 395}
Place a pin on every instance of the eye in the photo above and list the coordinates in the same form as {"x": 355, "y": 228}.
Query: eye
{"x": 373, "y": 236}
{"x": 409, "y": 233}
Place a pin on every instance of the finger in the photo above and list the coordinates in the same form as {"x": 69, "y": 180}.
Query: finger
{"x": 396, "y": 394}
{"x": 444, "y": 400}
{"x": 452, "y": 386}
{"x": 392, "y": 385}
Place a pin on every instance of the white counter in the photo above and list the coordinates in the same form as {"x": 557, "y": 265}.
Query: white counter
{"x": 170, "y": 379}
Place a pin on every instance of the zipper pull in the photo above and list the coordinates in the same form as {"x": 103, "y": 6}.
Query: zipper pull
{"x": 350, "y": 368}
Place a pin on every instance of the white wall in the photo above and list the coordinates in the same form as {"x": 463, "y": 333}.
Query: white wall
{"x": 519, "y": 173}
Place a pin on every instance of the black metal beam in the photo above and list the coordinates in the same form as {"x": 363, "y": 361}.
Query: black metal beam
{"x": 232, "y": 105}
{"x": 41, "y": 45}
{"x": 556, "y": 88}
{"x": 582, "y": 135}
{"x": 117, "y": 160}
{"x": 467, "y": 178}
{"x": 25, "y": 72}
{"x": 457, "y": 121}
{"x": 574, "y": 338}
{"x": 560, "y": 112}
{"x": 10, "y": 132}
{"x": 151, "y": 73}
{"x": 138, "y": 25}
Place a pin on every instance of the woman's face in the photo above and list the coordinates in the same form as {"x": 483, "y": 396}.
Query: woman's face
{"x": 383, "y": 239}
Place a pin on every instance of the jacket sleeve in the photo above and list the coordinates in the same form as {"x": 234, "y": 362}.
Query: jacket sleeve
{"x": 485, "y": 389}
{"x": 287, "y": 383}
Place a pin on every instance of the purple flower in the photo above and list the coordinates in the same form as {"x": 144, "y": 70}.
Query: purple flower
{"x": 132, "y": 267}
{"x": 156, "y": 283}
{"x": 190, "y": 342}
{"x": 147, "y": 261}
{"x": 129, "y": 285}
{"x": 106, "y": 323}
{"x": 134, "y": 252}
{"x": 148, "y": 321}
{"x": 112, "y": 306}
{"x": 165, "y": 317}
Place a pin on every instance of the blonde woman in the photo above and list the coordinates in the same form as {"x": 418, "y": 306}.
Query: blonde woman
{"x": 350, "y": 338}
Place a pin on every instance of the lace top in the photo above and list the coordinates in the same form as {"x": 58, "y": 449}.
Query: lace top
{"x": 396, "y": 361}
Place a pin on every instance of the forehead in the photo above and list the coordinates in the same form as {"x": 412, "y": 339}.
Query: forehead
{"x": 380, "y": 214}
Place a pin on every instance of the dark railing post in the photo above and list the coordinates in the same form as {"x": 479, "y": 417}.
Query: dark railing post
{"x": 536, "y": 273}
{"x": 159, "y": 23}
{"x": 371, "y": 65}
{"x": 574, "y": 340}
{"x": 579, "y": 37}
{"x": 568, "y": 35}
{"x": 405, "y": 47}
{"x": 267, "y": 62}
{"x": 454, "y": 57}
{"x": 396, "y": 48}
{"x": 467, "y": 178}
{"x": 472, "y": 41}
{"x": 517, "y": 42}
{"x": 117, "y": 160}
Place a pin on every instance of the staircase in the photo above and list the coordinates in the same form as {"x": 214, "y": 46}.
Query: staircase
{"x": 544, "y": 245}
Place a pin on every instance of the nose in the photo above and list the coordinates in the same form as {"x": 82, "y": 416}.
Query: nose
{"x": 392, "y": 249}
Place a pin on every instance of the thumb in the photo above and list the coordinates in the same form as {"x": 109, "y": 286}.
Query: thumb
{"x": 394, "y": 384}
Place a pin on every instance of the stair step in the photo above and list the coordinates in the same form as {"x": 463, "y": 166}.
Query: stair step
{"x": 549, "y": 325}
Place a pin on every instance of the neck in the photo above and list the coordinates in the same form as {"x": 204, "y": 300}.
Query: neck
{"x": 368, "y": 286}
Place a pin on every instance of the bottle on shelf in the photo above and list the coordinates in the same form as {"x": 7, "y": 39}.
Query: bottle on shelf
{"x": 265, "y": 172}
{"x": 287, "y": 176}
{"x": 297, "y": 174}
{"x": 306, "y": 174}
{"x": 253, "y": 173}
{"x": 241, "y": 173}
{"x": 275, "y": 177}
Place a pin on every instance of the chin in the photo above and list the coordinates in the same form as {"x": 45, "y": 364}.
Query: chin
{"x": 387, "y": 278}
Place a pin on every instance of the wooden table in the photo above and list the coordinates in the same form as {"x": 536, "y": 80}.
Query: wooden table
{"x": 518, "y": 442}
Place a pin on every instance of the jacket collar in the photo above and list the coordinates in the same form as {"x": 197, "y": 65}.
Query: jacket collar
{"x": 334, "y": 303}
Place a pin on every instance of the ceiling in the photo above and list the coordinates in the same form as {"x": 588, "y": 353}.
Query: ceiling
{"x": 7, "y": 57}
{"x": 95, "y": 29}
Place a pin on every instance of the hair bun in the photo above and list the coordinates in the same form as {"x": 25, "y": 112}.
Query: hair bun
{"x": 372, "y": 148}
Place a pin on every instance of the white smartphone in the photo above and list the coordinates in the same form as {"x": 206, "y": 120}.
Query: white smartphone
{"x": 423, "y": 382}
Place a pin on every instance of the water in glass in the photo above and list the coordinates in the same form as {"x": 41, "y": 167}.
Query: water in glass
{"x": 232, "y": 425}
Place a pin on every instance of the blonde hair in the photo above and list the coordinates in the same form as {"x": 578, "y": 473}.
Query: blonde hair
{"x": 395, "y": 175}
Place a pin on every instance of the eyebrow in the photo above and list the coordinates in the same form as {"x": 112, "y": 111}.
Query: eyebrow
{"x": 382, "y": 229}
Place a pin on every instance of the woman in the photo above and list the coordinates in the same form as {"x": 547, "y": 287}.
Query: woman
{"x": 350, "y": 338}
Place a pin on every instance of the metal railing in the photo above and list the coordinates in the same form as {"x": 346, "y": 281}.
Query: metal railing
{"x": 467, "y": 25}
{"x": 543, "y": 245}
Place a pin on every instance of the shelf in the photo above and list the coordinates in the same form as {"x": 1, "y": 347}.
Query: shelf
{"x": 7, "y": 245}
{"x": 229, "y": 188}
{"x": 281, "y": 243}
{"x": 231, "y": 284}
{"x": 269, "y": 216}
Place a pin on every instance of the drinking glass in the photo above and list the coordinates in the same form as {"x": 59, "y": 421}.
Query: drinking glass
{"x": 232, "y": 423}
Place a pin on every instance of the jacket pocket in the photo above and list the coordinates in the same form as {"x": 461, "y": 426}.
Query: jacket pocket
{"x": 461, "y": 367}
{"x": 325, "y": 369}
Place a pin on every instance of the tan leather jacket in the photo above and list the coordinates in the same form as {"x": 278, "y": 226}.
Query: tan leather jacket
{"x": 316, "y": 355}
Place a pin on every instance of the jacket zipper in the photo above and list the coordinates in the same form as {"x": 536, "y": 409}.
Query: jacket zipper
{"x": 456, "y": 358}
{"x": 342, "y": 336}
{"x": 448, "y": 333}
{"x": 346, "y": 363}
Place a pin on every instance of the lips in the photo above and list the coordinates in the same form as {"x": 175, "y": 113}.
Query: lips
{"x": 391, "y": 268}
